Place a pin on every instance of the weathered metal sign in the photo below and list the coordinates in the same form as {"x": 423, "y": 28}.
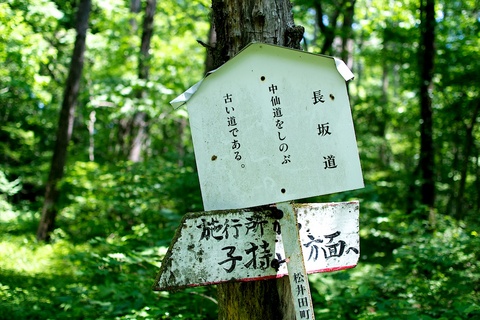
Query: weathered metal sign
{"x": 271, "y": 125}
{"x": 219, "y": 246}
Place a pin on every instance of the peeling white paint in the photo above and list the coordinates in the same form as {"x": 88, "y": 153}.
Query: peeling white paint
{"x": 328, "y": 233}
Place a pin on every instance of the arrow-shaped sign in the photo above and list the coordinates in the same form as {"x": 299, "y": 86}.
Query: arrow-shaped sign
{"x": 242, "y": 245}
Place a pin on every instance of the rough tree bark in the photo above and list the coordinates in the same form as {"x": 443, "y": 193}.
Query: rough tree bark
{"x": 237, "y": 23}
{"x": 65, "y": 123}
{"x": 426, "y": 60}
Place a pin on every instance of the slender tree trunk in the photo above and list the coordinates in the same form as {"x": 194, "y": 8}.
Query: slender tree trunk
{"x": 65, "y": 123}
{"x": 139, "y": 123}
{"x": 469, "y": 144}
{"x": 328, "y": 31}
{"x": 347, "y": 34}
{"x": 91, "y": 134}
{"x": 426, "y": 59}
{"x": 476, "y": 170}
{"x": 212, "y": 42}
{"x": 237, "y": 23}
{"x": 147, "y": 33}
{"x": 384, "y": 118}
{"x": 452, "y": 199}
{"x": 135, "y": 6}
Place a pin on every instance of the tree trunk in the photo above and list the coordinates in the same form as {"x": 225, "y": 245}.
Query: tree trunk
{"x": 384, "y": 118}
{"x": 212, "y": 41}
{"x": 65, "y": 123}
{"x": 147, "y": 32}
{"x": 237, "y": 23}
{"x": 476, "y": 170}
{"x": 469, "y": 144}
{"x": 91, "y": 134}
{"x": 139, "y": 123}
{"x": 426, "y": 59}
{"x": 327, "y": 31}
{"x": 347, "y": 35}
{"x": 135, "y": 6}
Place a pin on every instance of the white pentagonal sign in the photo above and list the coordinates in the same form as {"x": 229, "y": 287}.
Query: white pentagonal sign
{"x": 271, "y": 125}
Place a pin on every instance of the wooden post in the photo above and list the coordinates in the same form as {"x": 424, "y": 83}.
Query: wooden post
{"x": 293, "y": 240}
{"x": 297, "y": 274}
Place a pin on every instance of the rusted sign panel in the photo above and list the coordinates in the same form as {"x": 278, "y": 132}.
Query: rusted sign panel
{"x": 271, "y": 125}
{"x": 220, "y": 246}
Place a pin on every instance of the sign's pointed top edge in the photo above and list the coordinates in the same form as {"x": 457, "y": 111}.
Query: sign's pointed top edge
{"x": 342, "y": 69}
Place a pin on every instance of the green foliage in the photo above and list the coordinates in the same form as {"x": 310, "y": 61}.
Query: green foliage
{"x": 100, "y": 279}
{"x": 113, "y": 85}
{"x": 116, "y": 218}
{"x": 427, "y": 276}
{"x": 7, "y": 189}
{"x": 114, "y": 230}
{"x": 115, "y": 198}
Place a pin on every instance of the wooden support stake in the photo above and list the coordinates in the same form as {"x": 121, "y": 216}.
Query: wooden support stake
{"x": 297, "y": 274}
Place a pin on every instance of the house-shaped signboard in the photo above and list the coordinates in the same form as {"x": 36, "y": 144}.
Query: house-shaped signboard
{"x": 272, "y": 124}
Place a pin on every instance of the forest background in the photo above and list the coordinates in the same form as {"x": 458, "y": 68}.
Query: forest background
{"x": 130, "y": 172}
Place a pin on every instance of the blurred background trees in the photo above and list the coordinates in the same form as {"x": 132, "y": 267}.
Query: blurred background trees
{"x": 130, "y": 172}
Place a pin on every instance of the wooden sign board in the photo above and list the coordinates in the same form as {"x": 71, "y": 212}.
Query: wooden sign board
{"x": 272, "y": 125}
{"x": 220, "y": 246}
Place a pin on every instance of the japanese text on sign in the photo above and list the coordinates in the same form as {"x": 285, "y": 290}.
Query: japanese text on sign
{"x": 245, "y": 245}
{"x": 232, "y": 126}
{"x": 274, "y": 122}
{"x": 279, "y": 123}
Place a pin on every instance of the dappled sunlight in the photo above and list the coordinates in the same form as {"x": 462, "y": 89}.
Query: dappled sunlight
{"x": 115, "y": 214}
{"x": 27, "y": 257}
